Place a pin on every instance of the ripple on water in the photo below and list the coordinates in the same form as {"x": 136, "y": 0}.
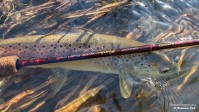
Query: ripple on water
{"x": 148, "y": 21}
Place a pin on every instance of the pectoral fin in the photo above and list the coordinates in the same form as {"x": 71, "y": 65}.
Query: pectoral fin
{"x": 58, "y": 80}
{"x": 88, "y": 85}
{"x": 126, "y": 84}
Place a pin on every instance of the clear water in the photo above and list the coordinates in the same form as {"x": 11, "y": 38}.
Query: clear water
{"x": 147, "y": 21}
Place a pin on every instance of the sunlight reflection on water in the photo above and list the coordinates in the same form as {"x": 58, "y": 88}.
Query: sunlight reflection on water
{"x": 147, "y": 21}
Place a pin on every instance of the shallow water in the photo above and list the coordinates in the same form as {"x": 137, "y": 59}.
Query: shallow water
{"x": 148, "y": 21}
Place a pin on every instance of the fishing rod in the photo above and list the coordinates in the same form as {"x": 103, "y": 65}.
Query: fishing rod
{"x": 11, "y": 64}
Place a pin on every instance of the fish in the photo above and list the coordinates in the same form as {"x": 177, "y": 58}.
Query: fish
{"x": 129, "y": 67}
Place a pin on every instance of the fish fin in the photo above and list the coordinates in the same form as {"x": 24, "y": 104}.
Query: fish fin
{"x": 126, "y": 84}
{"x": 58, "y": 80}
{"x": 89, "y": 83}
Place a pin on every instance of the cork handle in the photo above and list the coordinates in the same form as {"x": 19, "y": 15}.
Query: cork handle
{"x": 8, "y": 65}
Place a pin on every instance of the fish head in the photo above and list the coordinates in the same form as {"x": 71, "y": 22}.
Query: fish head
{"x": 153, "y": 64}
{"x": 148, "y": 64}
{"x": 160, "y": 65}
{"x": 148, "y": 67}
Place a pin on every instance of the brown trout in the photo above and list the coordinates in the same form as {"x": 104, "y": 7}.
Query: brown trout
{"x": 140, "y": 65}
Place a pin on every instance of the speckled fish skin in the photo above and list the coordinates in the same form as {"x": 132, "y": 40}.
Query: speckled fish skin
{"x": 143, "y": 65}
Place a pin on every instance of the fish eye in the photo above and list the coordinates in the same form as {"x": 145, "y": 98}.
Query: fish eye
{"x": 164, "y": 70}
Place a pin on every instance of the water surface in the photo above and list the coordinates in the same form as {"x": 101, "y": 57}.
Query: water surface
{"x": 147, "y": 21}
